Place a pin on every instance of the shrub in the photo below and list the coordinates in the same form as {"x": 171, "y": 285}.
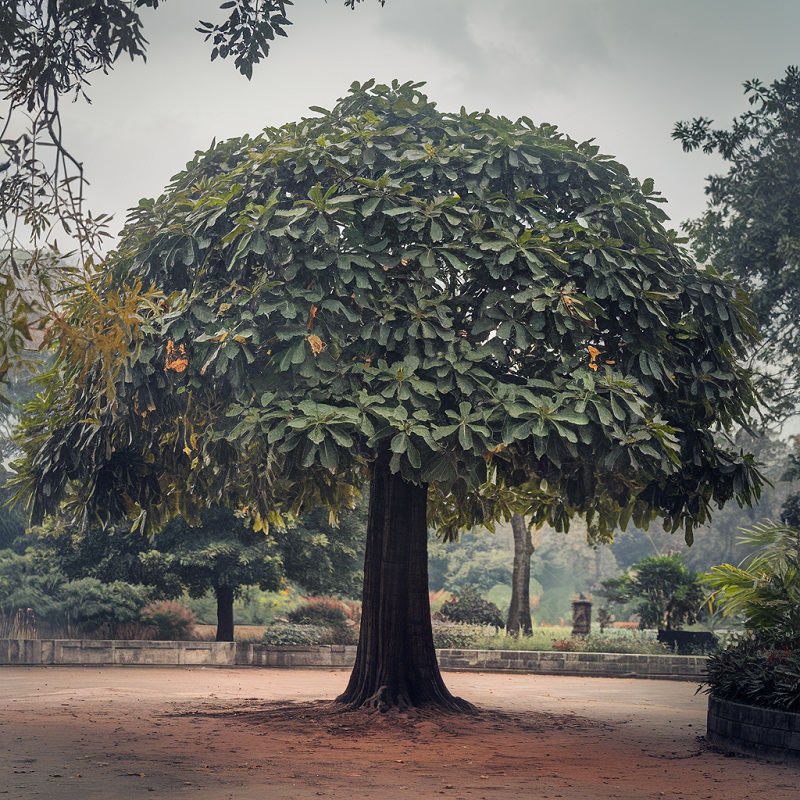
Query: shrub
{"x": 620, "y": 643}
{"x": 172, "y": 620}
{"x": 324, "y": 611}
{"x": 301, "y": 635}
{"x": 90, "y": 605}
{"x": 758, "y": 672}
{"x": 309, "y": 635}
{"x": 764, "y": 590}
{"x": 450, "y": 635}
{"x": 470, "y": 608}
{"x": 342, "y": 634}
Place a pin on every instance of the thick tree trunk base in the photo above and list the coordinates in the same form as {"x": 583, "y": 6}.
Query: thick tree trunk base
{"x": 385, "y": 701}
{"x": 396, "y": 667}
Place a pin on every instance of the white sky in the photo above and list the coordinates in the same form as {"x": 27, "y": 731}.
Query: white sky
{"x": 621, "y": 71}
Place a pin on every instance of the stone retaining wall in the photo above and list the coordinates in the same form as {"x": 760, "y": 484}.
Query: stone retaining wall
{"x": 50, "y": 652}
{"x": 101, "y": 652}
{"x": 763, "y": 732}
{"x": 602, "y": 665}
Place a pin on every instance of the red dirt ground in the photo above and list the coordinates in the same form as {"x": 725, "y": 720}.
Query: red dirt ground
{"x": 250, "y": 734}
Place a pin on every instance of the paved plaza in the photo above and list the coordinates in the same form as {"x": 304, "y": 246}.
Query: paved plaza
{"x": 239, "y": 734}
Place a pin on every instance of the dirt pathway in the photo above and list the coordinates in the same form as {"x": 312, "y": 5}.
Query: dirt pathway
{"x": 220, "y": 734}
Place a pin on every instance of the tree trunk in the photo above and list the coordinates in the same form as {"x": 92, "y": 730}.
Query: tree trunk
{"x": 396, "y": 665}
{"x": 519, "y": 611}
{"x": 224, "y": 613}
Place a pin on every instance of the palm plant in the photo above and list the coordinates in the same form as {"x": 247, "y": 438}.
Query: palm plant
{"x": 764, "y": 590}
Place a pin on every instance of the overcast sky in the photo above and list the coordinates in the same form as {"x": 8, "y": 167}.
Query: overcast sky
{"x": 620, "y": 71}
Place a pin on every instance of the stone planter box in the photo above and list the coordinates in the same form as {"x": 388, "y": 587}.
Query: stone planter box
{"x": 762, "y": 732}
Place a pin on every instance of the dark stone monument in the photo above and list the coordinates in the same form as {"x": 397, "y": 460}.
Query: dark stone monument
{"x": 581, "y": 616}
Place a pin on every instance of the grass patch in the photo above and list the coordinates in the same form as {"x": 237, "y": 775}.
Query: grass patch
{"x": 471, "y": 637}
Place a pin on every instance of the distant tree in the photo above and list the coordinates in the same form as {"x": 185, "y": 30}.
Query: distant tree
{"x": 519, "y": 611}
{"x": 31, "y": 582}
{"x": 322, "y": 558}
{"x": 12, "y": 522}
{"x": 222, "y": 555}
{"x": 668, "y": 595}
{"x": 751, "y": 225}
{"x": 112, "y": 553}
{"x": 478, "y": 558}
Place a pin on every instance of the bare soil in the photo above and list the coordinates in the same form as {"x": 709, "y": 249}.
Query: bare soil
{"x": 250, "y": 734}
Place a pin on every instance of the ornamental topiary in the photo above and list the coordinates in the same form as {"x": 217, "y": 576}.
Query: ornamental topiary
{"x": 470, "y": 608}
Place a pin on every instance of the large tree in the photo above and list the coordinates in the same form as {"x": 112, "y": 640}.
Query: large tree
{"x": 453, "y": 303}
{"x": 750, "y": 227}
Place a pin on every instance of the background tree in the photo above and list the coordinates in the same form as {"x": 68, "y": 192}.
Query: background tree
{"x": 750, "y": 226}
{"x": 669, "y": 595}
{"x": 456, "y": 303}
{"x": 519, "y": 610}
{"x": 222, "y": 554}
{"x": 322, "y": 558}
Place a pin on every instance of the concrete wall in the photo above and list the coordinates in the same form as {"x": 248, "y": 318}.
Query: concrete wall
{"x": 603, "y": 665}
{"x": 105, "y": 652}
{"x": 763, "y": 732}
{"x": 223, "y": 654}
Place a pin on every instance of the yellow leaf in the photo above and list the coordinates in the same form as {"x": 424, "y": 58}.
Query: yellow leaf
{"x": 316, "y": 344}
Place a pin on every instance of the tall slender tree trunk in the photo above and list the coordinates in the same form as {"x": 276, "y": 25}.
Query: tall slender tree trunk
{"x": 396, "y": 663}
{"x": 519, "y": 611}
{"x": 224, "y": 613}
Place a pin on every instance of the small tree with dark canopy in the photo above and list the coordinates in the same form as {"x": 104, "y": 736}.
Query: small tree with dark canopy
{"x": 669, "y": 594}
{"x": 454, "y": 303}
{"x": 222, "y": 554}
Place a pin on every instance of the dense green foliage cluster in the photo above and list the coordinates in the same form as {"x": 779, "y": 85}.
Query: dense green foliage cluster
{"x": 470, "y": 608}
{"x": 756, "y": 672}
{"x": 751, "y": 223}
{"x": 32, "y": 584}
{"x": 667, "y": 594}
{"x": 491, "y": 302}
{"x": 308, "y": 635}
{"x": 762, "y": 667}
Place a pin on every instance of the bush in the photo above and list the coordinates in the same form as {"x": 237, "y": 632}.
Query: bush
{"x": 324, "y": 611}
{"x": 90, "y": 604}
{"x": 471, "y": 609}
{"x": 309, "y": 635}
{"x": 172, "y": 620}
{"x": 762, "y": 667}
{"x": 756, "y": 672}
{"x": 450, "y": 635}
{"x": 301, "y": 635}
